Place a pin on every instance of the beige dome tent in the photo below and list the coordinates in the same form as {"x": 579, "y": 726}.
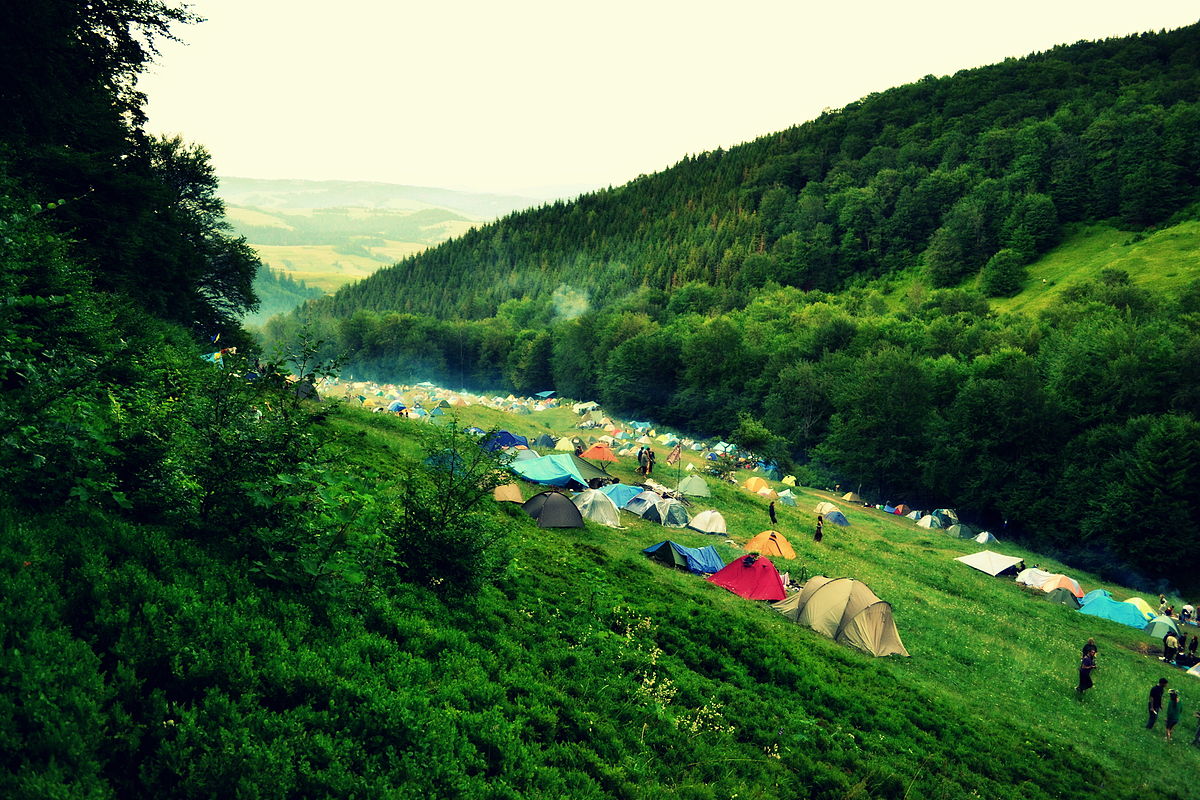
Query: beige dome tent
{"x": 598, "y": 507}
{"x": 846, "y": 611}
{"x": 825, "y": 508}
{"x": 709, "y": 521}
{"x": 852, "y": 497}
{"x": 508, "y": 493}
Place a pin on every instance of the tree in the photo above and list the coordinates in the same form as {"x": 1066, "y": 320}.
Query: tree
{"x": 1004, "y": 274}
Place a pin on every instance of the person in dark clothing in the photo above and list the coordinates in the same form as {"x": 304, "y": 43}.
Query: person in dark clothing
{"x": 641, "y": 459}
{"x": 771, "y": 512}
{"x": 1192, "y": 645}
{"x": 1090, "y": 647}
{"x": 1155, "y": 705}
{"x": 1085, "y": 672}
{"x": 650, "y": 459}
{"x": 820, "y": 528}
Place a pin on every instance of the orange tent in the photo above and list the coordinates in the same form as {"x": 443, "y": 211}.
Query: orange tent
{"x": 756, "y": 483}
{"x": 1063, "y": 582}
{"x": 902, "y": 509}
{"x": 600, "y": 452}
{"x": 771, "y": 543}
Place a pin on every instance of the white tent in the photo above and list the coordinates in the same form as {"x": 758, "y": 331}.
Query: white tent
{"x": 929, "y": 521}
{"x": 985, "y": 538}
{"x": 709, "y": 521}
{"x": 989, "y": 562}
{"x": 1033, "y": 577}
{"x": 598, "y": 507}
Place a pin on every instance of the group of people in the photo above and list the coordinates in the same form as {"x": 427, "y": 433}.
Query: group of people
{"x": 1174, "y": 701}
{"x": 645, "y": 459}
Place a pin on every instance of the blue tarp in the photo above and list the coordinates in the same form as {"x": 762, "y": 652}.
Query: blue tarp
{"x": 549, "y": 471}
{"x": 544, "y": 394}
{"x": 699, "y": 559}
{"x": 621, "y": 493}
{"x": 501, "y": 439}
{"x": 1106, "y": 607}
{"x": 1095, "y": 593}
{"x": 641, "y": 426}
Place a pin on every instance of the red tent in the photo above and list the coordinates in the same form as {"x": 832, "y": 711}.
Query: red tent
{"x": 600, "y": 452}
{"x": 752, "y": 577}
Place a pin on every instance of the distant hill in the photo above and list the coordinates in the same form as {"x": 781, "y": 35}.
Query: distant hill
{"x": 330, "y": 233}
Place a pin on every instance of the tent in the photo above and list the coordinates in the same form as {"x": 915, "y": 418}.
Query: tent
{"x": 396, "y": 405}
{"x": 846, "y": 611}
{"x": 709, "y": 521}
{"x": 837, "y": 518}
{"x": 1106, "y": 607}
{"x": 525, "y": 455}
{"x": 985, "y": 538}
{"x": 989, "y": 562}
{"x": 1160, "y": 626}
{"x": 553, "y": 510}
{"x": 929, "y": 522}
{"x": 751, "y": 577}
{"x": 501, "y": 439}
{"x": 598, "y": 507}
{"x": 549, "y": 472}
{"x": 787, "y": 498}
{"x": 914, "y": 515}
{"x": 1142, "y": 606}
{"x": 1063, "y": 597}
{"x": 668, "y": 511}
{"x": 544, "y": 395}
{"x": 1194, "y": 671}
{"x": 852, "y": 497}
{"x": 694, "y": 559}
{"x": 771, "y": 543}
{"x": 960, "y": 531}
{"x": 948, "y": 516}
{"x": 508, "y": 493}
{"x": 1062, "y": 582}
{"x": 545, "y": 441}
{"x": 641, "y": 502}
{"x": 773, "y": 472}
{"x": 824, "y": 508}
{"x": 901, "y": 510}
{"x": 789, "y": 480}
{"x": 756, "y": 483}
{"x": 565, "y": 444}
{"x": 621, "y": 493}
{"x": 694, "y": 486}
{"x": 1033, "y": 577}
{"x": 599, "y": 452}
{"x": 767, "y": 493}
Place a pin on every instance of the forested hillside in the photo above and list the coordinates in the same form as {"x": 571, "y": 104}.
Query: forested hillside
{"x": 831, "y": 288}
{"x": 972, "y": 174}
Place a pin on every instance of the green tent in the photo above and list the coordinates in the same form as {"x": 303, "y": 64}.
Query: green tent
{"x": 694, "y": 486}
{"x": 960, "y": 531}
{"x": 1063, "y": 596}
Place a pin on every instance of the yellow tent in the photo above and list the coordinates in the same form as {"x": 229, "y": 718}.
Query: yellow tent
{"x": 1142, "y": 606}
{"x": 852, "y": 497}
{"x": 756, "y": 483}
{"x": 771, "y": 543}
{"x": 789, "y": 480}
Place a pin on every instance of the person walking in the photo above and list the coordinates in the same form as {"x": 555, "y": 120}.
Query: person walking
{"x": 1086, "y": 666}
{"x": 771, "y": 512}
{"x": 1174, "y": 712}
{"x": 1090, "y": 647}
{"x": 1156, "y": 701}
{"x": 820, "y": 528}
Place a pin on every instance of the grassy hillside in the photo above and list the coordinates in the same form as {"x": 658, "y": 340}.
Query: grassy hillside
{"x": 985, "y": 703}
{"x": 1164, "y": 260}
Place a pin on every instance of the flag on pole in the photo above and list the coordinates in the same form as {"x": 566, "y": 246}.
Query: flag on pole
{"x": 673, "y": 456}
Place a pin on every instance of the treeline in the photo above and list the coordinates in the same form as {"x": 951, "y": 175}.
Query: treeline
{"x": 278, "y": 293}
{"x": 1076, "y": 429}
{"x": 969, "y": 175}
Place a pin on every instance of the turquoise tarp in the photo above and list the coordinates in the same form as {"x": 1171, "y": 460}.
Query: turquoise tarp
{"x": 1106, "y": 607}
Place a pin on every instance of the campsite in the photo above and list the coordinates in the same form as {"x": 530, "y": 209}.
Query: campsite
{"x": 982, "y": 651}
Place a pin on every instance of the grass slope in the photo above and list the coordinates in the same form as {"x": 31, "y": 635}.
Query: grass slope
{"x": 986, "y": 702}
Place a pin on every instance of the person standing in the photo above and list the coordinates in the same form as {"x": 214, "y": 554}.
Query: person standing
{"x": 1192, "y": 645}
{"x": 641, "y": 458}
{"x": 771, "y": 512}
{"x": 1090, "y": 647}
{"x": 650, "y": 459}
{"x": 820, "y": 528}
{"x": 1174, "y": 712}
{"x": 1156, "y": 700}
{"x": 1085, "y": 671}
{"x": 1170, "y": 648}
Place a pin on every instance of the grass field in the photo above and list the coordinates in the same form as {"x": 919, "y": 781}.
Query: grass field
{"x": 321, "y": 266}
{"x": 992, "y": 665}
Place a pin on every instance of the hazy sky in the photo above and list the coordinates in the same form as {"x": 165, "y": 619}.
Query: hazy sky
{"x": 523, "y": 95}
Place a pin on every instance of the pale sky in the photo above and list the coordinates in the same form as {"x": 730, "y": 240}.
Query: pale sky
{"x": 523, "y": 95}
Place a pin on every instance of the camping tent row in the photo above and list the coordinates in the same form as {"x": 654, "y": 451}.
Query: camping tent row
{"x": 846, "y": 611}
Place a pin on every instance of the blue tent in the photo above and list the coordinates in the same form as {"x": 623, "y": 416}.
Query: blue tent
{"x": 395, "y": 405}
{"x": 889, "y": 509}
{"x": 1094, "y": 593}
{"x": 501, "y": 439}
{"x": 837, "y": 518}
{"x": 621, "y": 493}
{"x": 548, "y": 471}
{"x": 1106, "y": 607}
{"x": 694, "y": 559}
{"x": 641, "y": 426}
